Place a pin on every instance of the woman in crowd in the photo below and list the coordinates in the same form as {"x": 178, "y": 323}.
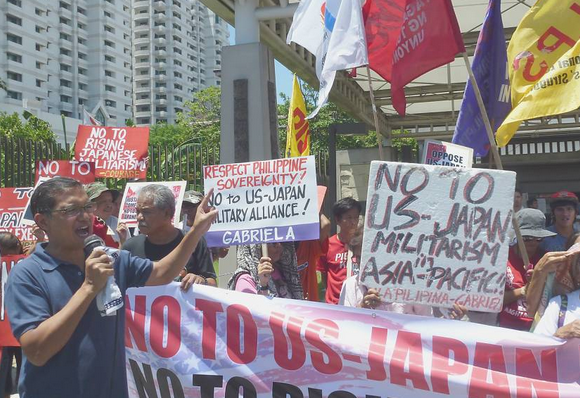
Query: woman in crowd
{"x": 275, "y": 275}
{"x": 561, "y": 317}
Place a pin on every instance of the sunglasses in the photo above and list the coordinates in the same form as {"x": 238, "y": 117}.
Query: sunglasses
{"x": 532, "y": 238}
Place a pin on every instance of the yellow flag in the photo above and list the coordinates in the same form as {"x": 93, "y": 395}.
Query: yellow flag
{"x": 298, "y": 139}
{"x": 544, "y": 64}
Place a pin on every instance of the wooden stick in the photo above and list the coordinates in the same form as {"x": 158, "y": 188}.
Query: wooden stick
{"x": 375, "y": 115}
{"x": 265, "y": 250}
{"x": 494, "y": 151}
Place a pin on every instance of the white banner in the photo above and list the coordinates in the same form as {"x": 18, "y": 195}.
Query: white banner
{"x": 128, "y": 208}
{"x": 217, "y": 343}
{"x": 263, "y": 201}
{"x": 438, "y": 235}
{"x": 442, "y": 153}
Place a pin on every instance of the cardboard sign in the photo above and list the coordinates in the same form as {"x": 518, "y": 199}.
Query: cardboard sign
{"x": 128, "y": 209}
{"x": 263, "y": 201}
{"x": 6, "y": 337}
{"x": 209, "y": 343}
{"x": 118, "y": 152}
{"x": 446, "y": 154}
{"x": 438, "y": 235}
{"x": 13, "y": 203}
{"x": 83, "y": 172}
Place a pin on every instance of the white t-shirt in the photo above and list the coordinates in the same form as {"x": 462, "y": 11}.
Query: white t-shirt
{"x": 352, "y": 294}
{"x": 549, "y": 322}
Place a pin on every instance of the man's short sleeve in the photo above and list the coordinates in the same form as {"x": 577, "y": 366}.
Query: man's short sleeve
{"x": 200, "y": 262}
{"x": 26, "y": 301}
{"x": 548, "y": 324}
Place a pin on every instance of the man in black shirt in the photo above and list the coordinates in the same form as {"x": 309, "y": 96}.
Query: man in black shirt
{"x": 155, "y": 211}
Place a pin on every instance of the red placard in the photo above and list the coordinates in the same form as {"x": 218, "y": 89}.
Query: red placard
{"x": 118, "y": 152}
{"x": 83, "y": 172}
{"x": 13, "y": 202}
{"x": 6, "y": 337}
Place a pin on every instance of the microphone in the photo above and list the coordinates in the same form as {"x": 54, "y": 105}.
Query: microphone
{"x": 91, "y": 243}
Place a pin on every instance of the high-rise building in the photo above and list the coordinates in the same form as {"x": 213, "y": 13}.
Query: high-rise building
{"x": 119, "y": 59}
{"x": 176, "y": 52}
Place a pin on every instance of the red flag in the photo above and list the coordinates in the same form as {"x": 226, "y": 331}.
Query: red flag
{"x": 407, "y": 38}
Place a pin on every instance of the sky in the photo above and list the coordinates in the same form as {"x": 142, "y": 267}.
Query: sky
{"x": 283, "y": 75}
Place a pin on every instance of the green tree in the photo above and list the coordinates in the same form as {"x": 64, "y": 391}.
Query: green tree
{"x": 13, "y": 126}
{"x": 164, "y": 134}
{"x": 129, "y": 123}
{"x": 201, "y": 117}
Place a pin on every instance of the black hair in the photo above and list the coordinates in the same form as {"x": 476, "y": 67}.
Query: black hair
{"x": 44, "y": 197}
{"x": 344, "y": 205}
{"x": 531, "y": 201}
{"x": 518, "y": 191}
{"x": 9, "y": 243}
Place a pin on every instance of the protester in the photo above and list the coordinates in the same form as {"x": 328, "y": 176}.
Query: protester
{"x": 532, "y": 203}
{"x": 564, "y": 205}
{"x": 275, "y": 275}
{"x": 517, "y": 200}
{"x": 103, "y": 198}
{"x": 308, "y": 253}
{"x": 514, "y": 314}
{"x": 158, "y": 237}
{"x": 9, "y": 245}
{"x": 563, "y": 281}
{"x": 70, "y": 350}
{"x": 562, "y": 315}
{"x": 335, "y": 251}
{"x": 191, "y": 199}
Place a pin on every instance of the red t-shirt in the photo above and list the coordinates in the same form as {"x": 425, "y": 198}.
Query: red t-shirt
{"x": 307, "y": 254}
{"x": 333, "y": 262}
{"x": 515, "y": 315}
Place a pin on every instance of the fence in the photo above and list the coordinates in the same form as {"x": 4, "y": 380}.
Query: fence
{"x": 18, "y": 159}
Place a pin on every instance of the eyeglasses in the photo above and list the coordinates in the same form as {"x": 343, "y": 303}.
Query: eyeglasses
{"x": 532, "y": 238}
{"x": 74, "y": 211}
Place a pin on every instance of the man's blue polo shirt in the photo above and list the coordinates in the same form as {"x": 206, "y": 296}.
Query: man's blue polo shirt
{"x": 92, "y": 363}
{"x": 554, "y": 243}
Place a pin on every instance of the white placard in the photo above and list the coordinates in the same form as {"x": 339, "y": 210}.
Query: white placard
{"x": 438, "y": 235}
{"x": 442, "y": 153}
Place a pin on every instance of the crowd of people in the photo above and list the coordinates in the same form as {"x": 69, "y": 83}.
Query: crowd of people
{"x": 51, "y": 294}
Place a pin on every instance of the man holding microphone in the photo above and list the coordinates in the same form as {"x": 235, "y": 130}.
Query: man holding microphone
{"x": 70, "y": 350}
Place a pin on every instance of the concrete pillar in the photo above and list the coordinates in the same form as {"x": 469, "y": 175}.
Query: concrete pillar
{"x": 249, "y": 121}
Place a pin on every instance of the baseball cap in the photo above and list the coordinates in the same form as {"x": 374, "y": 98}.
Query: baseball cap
{"x": 193, "y": 197}
{"x": 95, "y": 189}
{"x": 532, "y": 222}
{"x": 562, "y": 198}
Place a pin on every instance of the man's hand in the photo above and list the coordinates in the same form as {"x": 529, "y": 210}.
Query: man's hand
{"x": 265, "y": 270}
{"x": 569, "y": 331}
{"x": 458, "y": 311}
{"x": 191, "y": 279}
{"x": 551, "y": 262}
{"x": 38, "y": 233}
{"x": 98, "y": 268}
{"x": 371, "y": 299}
{"x": 123, "y": 232}
{"x": 205, "y": 215}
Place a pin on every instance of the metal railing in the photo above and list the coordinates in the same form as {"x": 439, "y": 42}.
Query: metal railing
{"x": 18, "y": 159}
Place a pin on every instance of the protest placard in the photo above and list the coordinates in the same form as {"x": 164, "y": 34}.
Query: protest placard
{"x": 263, "y": 201}
{"x": 13, "y": 203}
{"x": 446, "y": 154}
{"x": 6, "y": 337}
{"x": 118, "y": 152}
{"x": 204, "y": 344}
{"x": 83, "y": 172}
{"x": 128, "y": 208}
{"x": 438, "y": 235}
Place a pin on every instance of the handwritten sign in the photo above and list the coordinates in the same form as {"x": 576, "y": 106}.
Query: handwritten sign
{"x": 83, "y": 172}
{"x": 263, "y": 201}
{"x": 118, "y": 152}
{"x": 6, "y": 337}
{"x": 438, "y": 235}
{"x": 128, "y": 208}
{"x": 446, "y": 154}
{"x": 13, "y": 202}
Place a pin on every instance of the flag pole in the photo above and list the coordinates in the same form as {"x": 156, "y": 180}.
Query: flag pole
{"x": 375, "y": 115}
{"x": 494, "y": 151}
